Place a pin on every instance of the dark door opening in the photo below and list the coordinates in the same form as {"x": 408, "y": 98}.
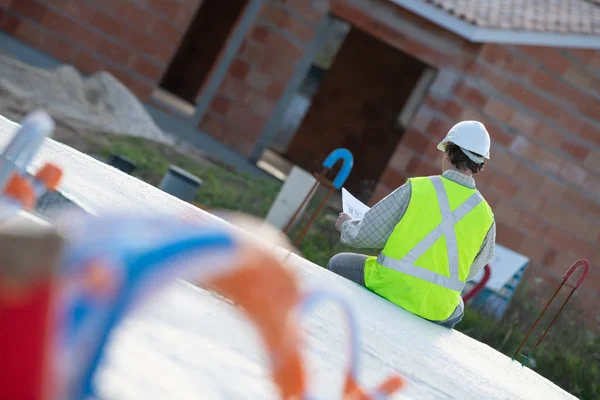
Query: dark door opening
{"x": 358, "y": 105}
{"x": 200, "y": 47}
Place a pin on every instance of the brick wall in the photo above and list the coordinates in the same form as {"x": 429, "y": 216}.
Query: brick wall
{"x": 132, "y": 40}
{"x": 261, "y": 70}
{"x": 540, "y": 106}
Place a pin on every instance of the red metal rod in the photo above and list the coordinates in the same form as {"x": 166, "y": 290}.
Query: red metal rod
{"x": 579, "y": 263}
{"x": 487, "y": 273}
{"x": 313, "y": 218}
{"x": 538, "y": 320}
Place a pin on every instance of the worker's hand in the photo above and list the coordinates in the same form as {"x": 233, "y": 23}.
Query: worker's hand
{"x": 343, "y": 217}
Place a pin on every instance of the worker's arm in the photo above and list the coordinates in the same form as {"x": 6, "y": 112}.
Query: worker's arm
{"x": 378, "y": 223}
{"x": 486, "y": 253}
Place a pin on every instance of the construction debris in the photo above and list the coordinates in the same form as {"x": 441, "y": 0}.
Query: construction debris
{"x": 99, "y": 102}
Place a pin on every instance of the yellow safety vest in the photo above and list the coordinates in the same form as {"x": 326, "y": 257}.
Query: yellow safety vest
{"x": 426, "y": 260}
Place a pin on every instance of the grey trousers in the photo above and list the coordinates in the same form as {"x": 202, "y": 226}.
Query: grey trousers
{"x": 352, "y": 266}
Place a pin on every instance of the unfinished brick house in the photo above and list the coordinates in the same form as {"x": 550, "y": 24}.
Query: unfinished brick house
{"x": 384, "y": 78}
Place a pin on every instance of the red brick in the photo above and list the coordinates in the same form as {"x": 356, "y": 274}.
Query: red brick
{"x": 548, "y": 136}
{"x": 470, "y": 94}
{"x": 8, "y": 23}
{"x": 415, "y": 141}
{"x": 163, "y": 31}
{"x": 552, "y": 189}
{"x": 573, "y": 172}
{"x": 393, "y": 178}
{"x": 426, "y": 169}
{"x": 528, "y": 199}
{"x": 432, "y": 153}
{"x": 498, "y": 109}
{"x": 508, "y": 236}
{"x": 78, "y": 10}
{"x": 301, "y": 31}
{"x": 141, "y": 89}
{"x": 275, "y": 90}
{"x": 533, "y": 248}
{"x": 413, "y": 165}
{"x": 568, "y": 94}
{"x": 421, "y": 120}
{"x": 549, "y": 256}
{"x": 260, "y": 33}
{"x": 88, "y": 63}
{"x": 108, "y": 49}
{"x": 452, "y": 109}
{"x": 132, "y": 14}
{"x": 140, "y": 42}
{"x": 575, "y": 150}
{"x": 163, "y": 52}
{"x": 592, "y": 161}
{"x": 495, "y": 54}
{"x": 498, "y": 135}
{"x": 524, "y": 123}
{"x": 167, "y": 8}
{"x": 578, "y": 226}
{"x": 583, "y": 55}
{"x": 258, "y": 81}
{"x": 590, "y": 109}
{"x": 260, "y": 105}
{"x": 239, "y": 69}
{"x": 504, "y": 161}
{"x": 146, "y": 68}
{"x": 527, "y": 177}
{"x": 30, "y": 9}
{"x": 496, "y": 79}
{"x": 549, "y": 161}
{"x": 212, "y": 125}
{"x": 557, "y": 239}
{"x": 551, "y": 212}
{"x": 505, "y": 185}
{"x": 381, "y": 191}
{"x": 569, "y": 120}
{"x": 235, "y": 88}
{"x": 313, "y": 11}
{"x": 507, "y": 213}
{"x": 251, "y": 125}
{"x": 276, "y": 14}
{"x": 220, "y": 105}
{"x": 400, "y": 158}
{"x": 109, "y": 25}
{"x": 59, "y": 48}
{"x": 544, "y": 81}
{"x": 550, "y": 57}
{"x": 579, "y": 202}
{"x": 524, "y": 148}
{"x": 533, "y": 224}
{"x": 30, "y": 33}
{"x": 438, "y": 128}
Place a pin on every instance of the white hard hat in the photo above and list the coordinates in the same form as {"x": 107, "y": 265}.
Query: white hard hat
{"x": 471, "y": 137}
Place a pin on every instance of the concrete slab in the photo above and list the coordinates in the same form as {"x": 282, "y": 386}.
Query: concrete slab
{"x": 188, "y": 344}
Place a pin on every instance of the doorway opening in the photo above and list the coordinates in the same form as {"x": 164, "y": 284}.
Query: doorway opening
{"x": 200, "y": 48}
{"x": 359, "y": 94}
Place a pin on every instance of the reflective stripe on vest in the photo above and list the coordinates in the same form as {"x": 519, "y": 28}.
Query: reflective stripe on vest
{"x": 445, "y": 228}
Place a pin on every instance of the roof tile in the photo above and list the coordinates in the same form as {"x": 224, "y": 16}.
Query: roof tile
{"x": 551, "y": 16}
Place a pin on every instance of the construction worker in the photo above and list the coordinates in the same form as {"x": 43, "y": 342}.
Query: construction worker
{"x": 436, "y": 233}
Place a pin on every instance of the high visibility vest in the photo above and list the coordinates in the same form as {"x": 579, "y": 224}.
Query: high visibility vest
{"x": 426, "y": 260}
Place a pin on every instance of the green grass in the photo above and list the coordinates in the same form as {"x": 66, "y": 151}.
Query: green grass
{"x": 569, "y": 356}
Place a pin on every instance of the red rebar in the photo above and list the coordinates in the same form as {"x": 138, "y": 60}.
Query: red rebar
{"x": 487, "y": 273}
{"x": 579, "y": 263}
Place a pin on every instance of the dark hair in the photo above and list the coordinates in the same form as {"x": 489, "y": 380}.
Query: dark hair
{"x": 461, "y": 161}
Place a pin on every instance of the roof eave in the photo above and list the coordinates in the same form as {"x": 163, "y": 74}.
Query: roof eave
{"x": 485, "y": 35}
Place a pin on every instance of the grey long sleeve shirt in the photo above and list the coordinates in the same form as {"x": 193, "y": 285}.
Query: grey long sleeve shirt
{"x": 373, "y": 231}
